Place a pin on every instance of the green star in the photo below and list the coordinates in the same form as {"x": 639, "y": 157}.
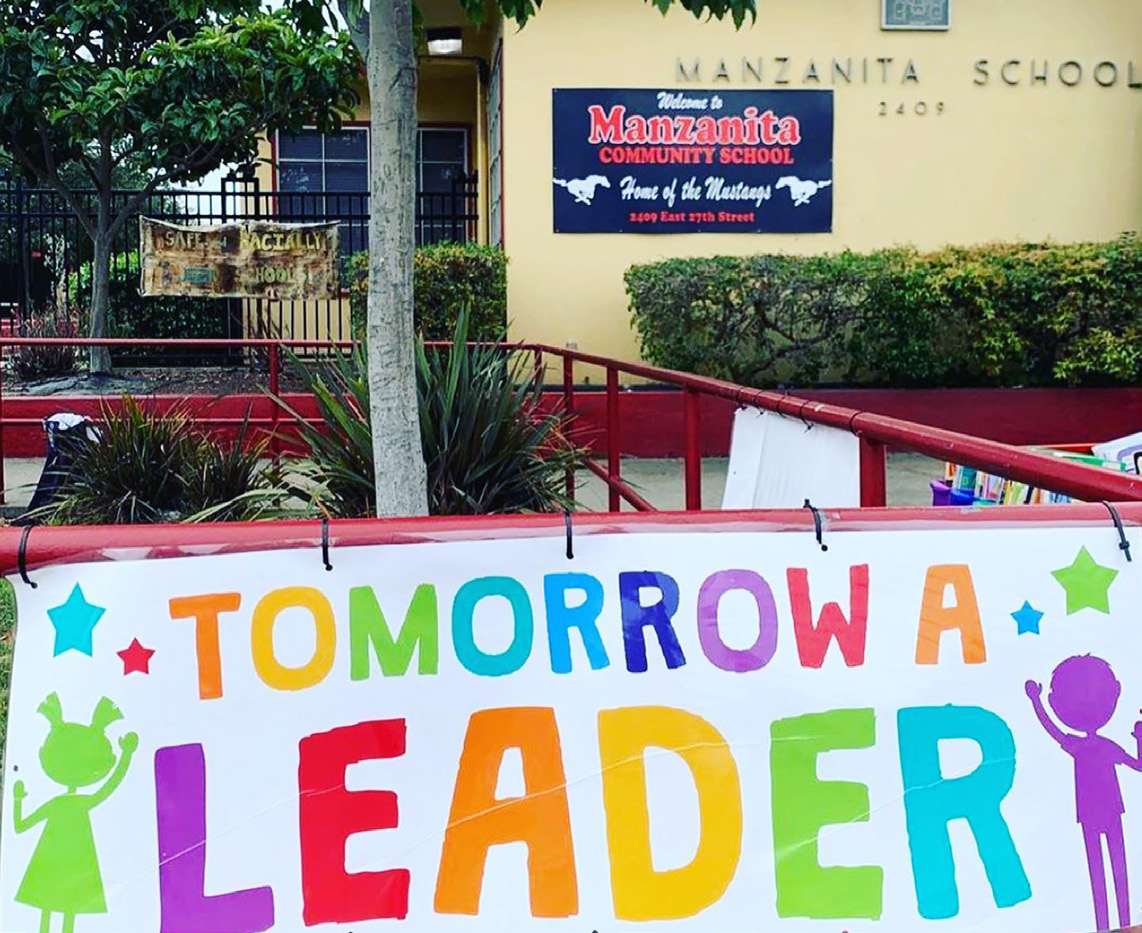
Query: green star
{"x": 1086, "y": 583}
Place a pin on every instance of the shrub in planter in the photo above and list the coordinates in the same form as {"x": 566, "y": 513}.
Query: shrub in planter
{"x": 448, "y": 278}
{"x": 758, "y": 320}
{"x": 38, "y": 362}
{"x": 488, "y": 444}
{"x": 147, "y": 468}
{"x": 992, "y": 315}
{"x": 1008, "y": 314}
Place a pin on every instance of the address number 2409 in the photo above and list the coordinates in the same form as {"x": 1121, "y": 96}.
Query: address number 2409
{"x": 920, "y": 108}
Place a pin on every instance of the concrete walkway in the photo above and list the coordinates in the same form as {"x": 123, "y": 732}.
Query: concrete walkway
{"x": 20, "y": 477}
{"x": 660, "y": 481}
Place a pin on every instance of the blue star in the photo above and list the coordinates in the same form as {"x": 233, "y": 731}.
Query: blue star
{"x": 1028, "y": 618}
{"x": 74, "y": 622}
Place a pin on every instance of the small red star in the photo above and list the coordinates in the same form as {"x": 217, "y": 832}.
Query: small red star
{"x": 136, "y": 658}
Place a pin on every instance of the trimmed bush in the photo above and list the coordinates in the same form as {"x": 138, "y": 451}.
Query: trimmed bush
{"x": 447, "y": 278}
{"x": 991, "y": 315}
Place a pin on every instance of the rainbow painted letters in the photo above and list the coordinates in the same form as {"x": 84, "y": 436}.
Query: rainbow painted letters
{"x": 718, "y": 731}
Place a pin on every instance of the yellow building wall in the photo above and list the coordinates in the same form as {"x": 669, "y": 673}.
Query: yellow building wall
{"x": 1001, "y": 162}
{"x": 447, "y": 93}
{"x": 452, "y": 92}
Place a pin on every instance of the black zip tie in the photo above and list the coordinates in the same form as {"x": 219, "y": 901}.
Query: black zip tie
{"x": 325, "y": 543}
{"x": 567, "y": 523}
{"x": 776, "y": 410}
{"x": 817, "y": 523}
{"x": 22, "y": 556}
{"x": 1123, "y": 544}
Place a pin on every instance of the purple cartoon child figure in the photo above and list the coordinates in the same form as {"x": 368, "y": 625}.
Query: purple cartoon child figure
{"x": 1084, "y": 694}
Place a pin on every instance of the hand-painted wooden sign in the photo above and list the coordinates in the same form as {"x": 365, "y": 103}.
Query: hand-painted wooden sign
{"x": 241, "y": 260}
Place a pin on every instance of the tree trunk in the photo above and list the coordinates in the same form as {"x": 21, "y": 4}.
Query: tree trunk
{"x": 398, "y": 457}
{"x": 100, "y": 357}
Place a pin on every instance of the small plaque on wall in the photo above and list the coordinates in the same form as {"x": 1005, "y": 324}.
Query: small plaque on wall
{"x": 916, "y": 14}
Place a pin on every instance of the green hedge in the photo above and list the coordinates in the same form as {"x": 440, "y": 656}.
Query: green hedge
{"x": 992, "y": 315}
{"x": 446, "y": 279}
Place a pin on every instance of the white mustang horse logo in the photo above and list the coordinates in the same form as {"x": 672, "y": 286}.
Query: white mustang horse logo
{"x": 583, "y": 189}
{"x": 802, "y": 192}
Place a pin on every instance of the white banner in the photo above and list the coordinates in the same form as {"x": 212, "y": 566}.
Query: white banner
{"x": 717, "y": 732}
{"x": 777, "y": 462}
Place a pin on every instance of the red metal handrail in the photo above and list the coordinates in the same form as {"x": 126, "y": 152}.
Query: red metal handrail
{"x": 67, "y": 544}
{"x": 876, "y": 432}
{"x": 273, "y": 347}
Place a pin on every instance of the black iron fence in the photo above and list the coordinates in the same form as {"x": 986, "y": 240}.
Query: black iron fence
{"x": 45, "y": 260}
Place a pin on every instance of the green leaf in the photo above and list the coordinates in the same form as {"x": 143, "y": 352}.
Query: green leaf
{"x": 523, "y": 10}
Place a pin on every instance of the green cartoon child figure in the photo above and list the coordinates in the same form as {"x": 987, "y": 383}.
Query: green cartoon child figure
{"x": 63, "y": 876}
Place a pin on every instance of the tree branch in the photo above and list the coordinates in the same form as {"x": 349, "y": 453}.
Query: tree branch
{"x": 89, "y": 167}
{"x": 53, "y": 181}
{"x": 357, "y": 23}
{"x": 103, "y": 178}
{"x": 130, "y": 55}
{"x": 136, "y": 200}
{"x": 133, "y": 204}
{"x": 51, "y": 177}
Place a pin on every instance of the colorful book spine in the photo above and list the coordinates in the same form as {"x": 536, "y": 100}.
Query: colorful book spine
{"x": 997, "y": 490}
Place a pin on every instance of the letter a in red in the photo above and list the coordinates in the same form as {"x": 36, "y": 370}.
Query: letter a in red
{"x": 813, "y": 642}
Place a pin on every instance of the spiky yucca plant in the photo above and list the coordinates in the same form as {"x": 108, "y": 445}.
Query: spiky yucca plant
{"x": 148, "y": 467}
{"x": 335, "y": 474}
{"x": 489, "y": 445}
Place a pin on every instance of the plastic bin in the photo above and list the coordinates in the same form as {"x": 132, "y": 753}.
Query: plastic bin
{"x": 941, "y": 492}
{"x": 961, "y": 497}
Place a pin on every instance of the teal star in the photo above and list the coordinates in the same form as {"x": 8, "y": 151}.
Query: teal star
{"x": 74, "y": 622}
{"x": 1028, "y": 619}
{"x": 1087, "y": 584}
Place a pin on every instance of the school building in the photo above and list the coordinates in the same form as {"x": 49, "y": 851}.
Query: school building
{"x": 603, "y": 135}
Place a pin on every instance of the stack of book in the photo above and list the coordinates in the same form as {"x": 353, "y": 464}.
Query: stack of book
{"x": 971, "y": 486}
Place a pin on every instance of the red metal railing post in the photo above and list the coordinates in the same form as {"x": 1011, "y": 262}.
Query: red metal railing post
{"x": 873, "y": 471}
{"x": 3, "y": 482}
{"x": 614, "y": 460}
{"x": 569, "y": 410}
{"x": 538, "y": 369}
{"x": 693, "y": 451}
{"x": 275, "y": 391}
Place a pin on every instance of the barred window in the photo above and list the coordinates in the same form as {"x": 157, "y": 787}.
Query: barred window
{"x": 326, "y": 178}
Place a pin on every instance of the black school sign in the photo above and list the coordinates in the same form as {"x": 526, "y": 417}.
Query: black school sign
{"x": 645, "y": 161}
